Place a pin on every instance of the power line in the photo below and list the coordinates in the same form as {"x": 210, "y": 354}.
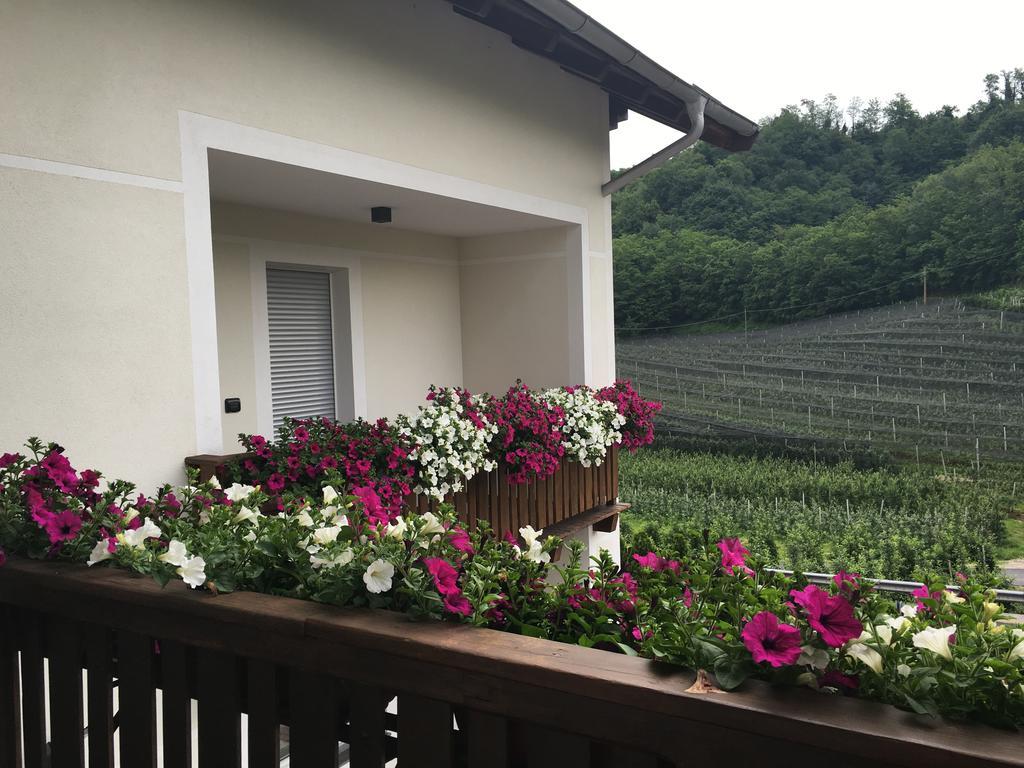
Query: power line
{"x": 905, "y": 278}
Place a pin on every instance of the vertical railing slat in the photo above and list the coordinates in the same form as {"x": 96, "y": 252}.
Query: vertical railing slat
{"x": 547, "y": 747}
{"x": 313, "y": 720}
{"x": 99, "y": 655}
{"x": 33, "y": 696}
{"x": 177, "y": 705}
{"x": 424, "y": 732}
{"x": 136, "y": 700}
{"x": 366, "y": 726}
{"x": 66, "y": 716}
{"x": 486, "y": 739}
{"x": 10, "y": 692}
{"x": 220, "y": 721}
{"x": 264, "y": 723}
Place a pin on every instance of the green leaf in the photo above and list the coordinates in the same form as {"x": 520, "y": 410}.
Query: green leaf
{"x": 730, "y": 673}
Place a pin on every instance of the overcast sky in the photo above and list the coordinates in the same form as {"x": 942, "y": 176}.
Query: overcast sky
{"x": 756, "y": 57}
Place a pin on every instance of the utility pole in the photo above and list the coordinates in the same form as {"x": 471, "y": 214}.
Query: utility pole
{"x": 924, "y": 277}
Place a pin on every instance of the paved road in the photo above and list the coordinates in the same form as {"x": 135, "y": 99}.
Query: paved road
{"x": 1015, "y": 570}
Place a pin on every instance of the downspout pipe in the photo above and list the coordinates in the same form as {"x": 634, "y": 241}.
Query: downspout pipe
{"x": 695, "y": 109}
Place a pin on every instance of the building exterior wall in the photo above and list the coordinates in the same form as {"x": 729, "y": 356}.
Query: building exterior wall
{"x": 515, "y": 321}
{"x": 99, "y": 87}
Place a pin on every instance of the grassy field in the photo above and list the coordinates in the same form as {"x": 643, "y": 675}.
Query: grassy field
{"x": 889, "y": 441}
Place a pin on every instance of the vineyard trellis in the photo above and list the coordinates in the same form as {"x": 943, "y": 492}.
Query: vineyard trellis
{"x": 942, "y": 379}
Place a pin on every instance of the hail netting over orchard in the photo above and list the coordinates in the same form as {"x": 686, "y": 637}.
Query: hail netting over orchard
{"x": 941, "y": 379}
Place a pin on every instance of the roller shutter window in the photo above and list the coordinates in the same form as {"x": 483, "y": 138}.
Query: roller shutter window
{"x": 301, "y": 344}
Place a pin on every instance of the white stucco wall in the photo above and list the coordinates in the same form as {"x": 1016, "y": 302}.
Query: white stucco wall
{"x": 94, "y": 351}
{"x": 100, "y": 86}
{"x": 515, "y": 321}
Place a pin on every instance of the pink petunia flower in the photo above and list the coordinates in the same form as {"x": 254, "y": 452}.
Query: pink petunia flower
{"x": 839, "y": 681}
{"x": 460, "y": 540}
{"x": 445, "y": 575}
{"x": 769, "y": 640}
{"x": 458, "y": 603}
{"x": 63, "y": 526}
{"x": 923, "y": 592}
{"x": 734, "y": 556}
{"x": 832, "y": 616}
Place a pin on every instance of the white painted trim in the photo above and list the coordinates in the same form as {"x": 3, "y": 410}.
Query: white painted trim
{"x": 201, "y": 133}
{"x": 88, "y": 172}
{"x": 577, "y": 266}
{"x": 264, "y": 252}
{"x": 436, "y": 260}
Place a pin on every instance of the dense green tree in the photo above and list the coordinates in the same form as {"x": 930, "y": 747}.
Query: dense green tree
{"x": 821, "y": 209}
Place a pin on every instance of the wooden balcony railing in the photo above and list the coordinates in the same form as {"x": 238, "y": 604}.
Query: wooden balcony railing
{"x": 367, "y": 686}
{"x": 574, "y": 497}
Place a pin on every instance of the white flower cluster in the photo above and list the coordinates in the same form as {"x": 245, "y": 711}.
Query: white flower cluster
{"x": 591, "y": 426}
{"x": 450, "y": 448}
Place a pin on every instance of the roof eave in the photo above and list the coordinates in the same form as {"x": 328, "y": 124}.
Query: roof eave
{"x": 559, "y": 31}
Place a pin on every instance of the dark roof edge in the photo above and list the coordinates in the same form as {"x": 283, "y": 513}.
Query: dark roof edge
{"x": 561, "y": 32}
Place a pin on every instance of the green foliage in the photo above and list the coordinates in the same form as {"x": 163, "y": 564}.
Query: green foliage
{"x": 812, "y": 517}
{"x": 818, "y": 210}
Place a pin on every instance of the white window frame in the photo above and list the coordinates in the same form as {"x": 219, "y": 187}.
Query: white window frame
{"x": 349, "y": 371}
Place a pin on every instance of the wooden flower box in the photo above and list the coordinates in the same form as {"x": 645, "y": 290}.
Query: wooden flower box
{"x": 368, "y": 686}
{"x": 571, "y": 499}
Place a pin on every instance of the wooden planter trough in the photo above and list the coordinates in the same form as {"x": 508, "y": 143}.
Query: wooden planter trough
{"x": 465, "y": 697}
{"x": 573, "y": 498}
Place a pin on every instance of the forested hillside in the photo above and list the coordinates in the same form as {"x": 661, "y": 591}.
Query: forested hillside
{"x": 832, "y": 209}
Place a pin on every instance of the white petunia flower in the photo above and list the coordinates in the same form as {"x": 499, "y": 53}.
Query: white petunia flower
{"x": 530, "y": 535}
{"x": 239, "y": 492}
{"x": 397, "y": 529}
{"x": 430, "y": 524}
{"x": 245, "y": 515}
{"x": 214, "y": 482}
{"x": 136, "y": 539}
{"x": 100, "y": 552}
{"x": 304, "y": 519}
{"x": 193, "y": 572}
{"x": 342, "y": 558}
{"x": 1017, "y": 652}
{"x": 378, "y": 576}
{"x": 536, "y": 553}
{"x": 936, "y": 640}
{"x": 867, "y": 656}
{"x": 326, "y": 535}
{"x": 175, "y": 554}
{"x": 330, "y": 495}
{"x": 903, "y": 670}
{"x": 908, "y": 610}
{"x": 816, "y": 658}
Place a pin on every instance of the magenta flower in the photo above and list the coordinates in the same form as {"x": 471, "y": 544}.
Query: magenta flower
{"x": 769, "y": 640}
{"x": 460, "y": 540}
{"x": 832, "y": 616}
{"x": 657, "y": 563}
{"x": 445, "y": 575}
{"x": 734, "y": 556}
{"x": 9, "y": 458}
{"x": 371, "y": 504}
{"x": 650, "y": 560}
{"x": 275, "y": 483}
{"x": 839, "y": 681}
{"x": 458, "y": 603}
{"x": 923, "y": 593}
{"x": 63, "y": 526}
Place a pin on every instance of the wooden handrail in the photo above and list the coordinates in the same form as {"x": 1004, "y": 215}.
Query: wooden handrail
{"x": 329, "y": 674}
